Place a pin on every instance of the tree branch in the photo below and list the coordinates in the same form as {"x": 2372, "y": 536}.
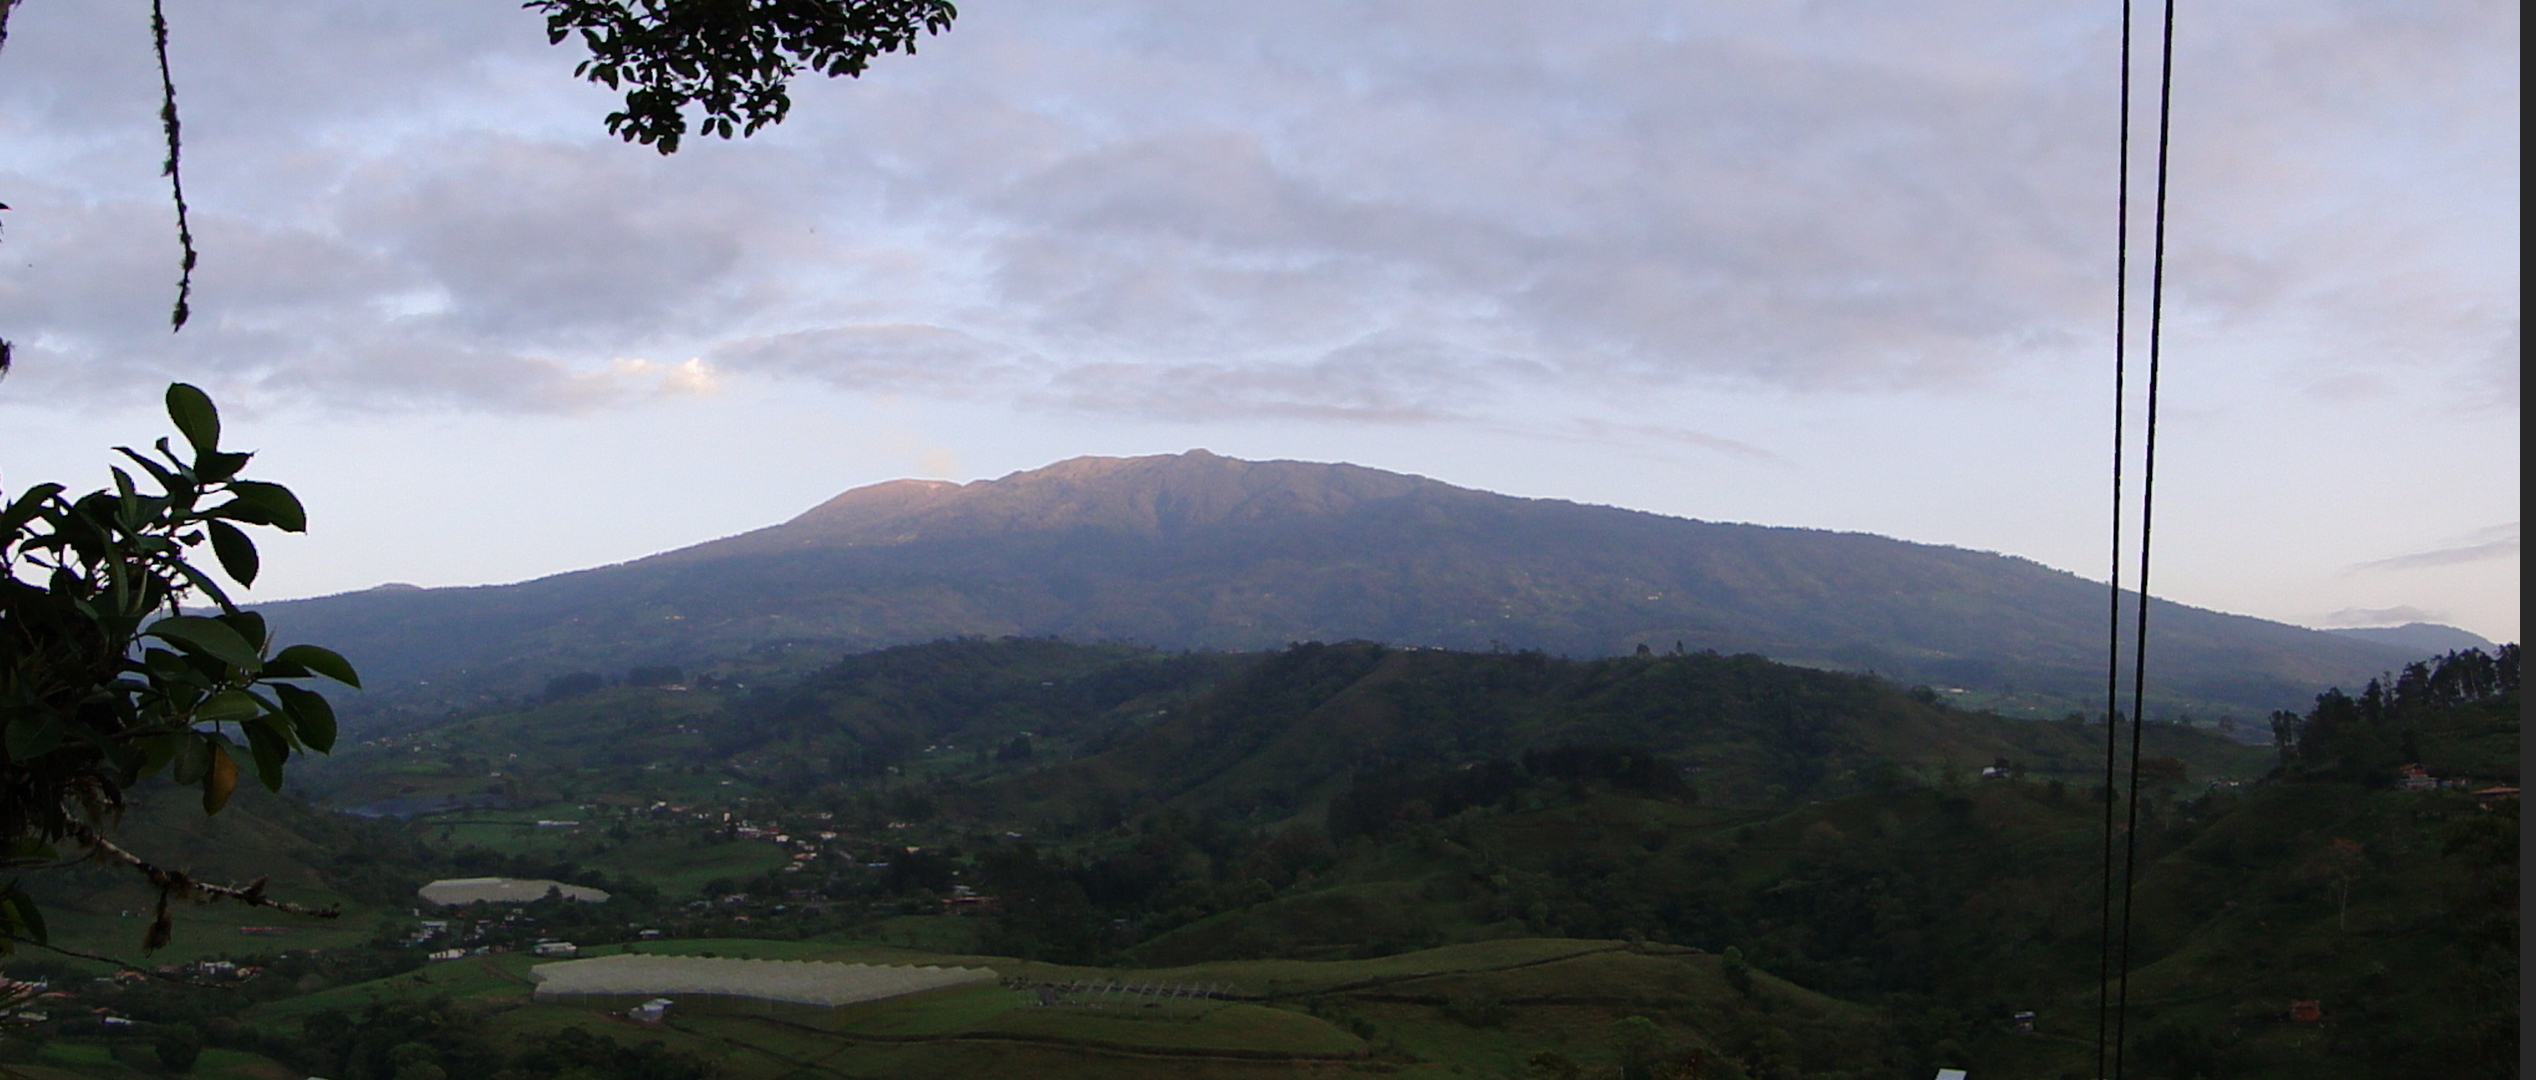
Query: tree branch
{"x": 102, "y": 958}
{"x": 175, "y": 175}
{"x": 177, "y": 882}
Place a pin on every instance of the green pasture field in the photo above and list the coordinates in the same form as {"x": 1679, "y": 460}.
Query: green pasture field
{"x": 498, "y": 978}
{"x": 93, "y": 907}
{"x": 949, "y": 934}
{"x": 97, "y": 1061}
{"x": 680, "y": 869}
{"x": 208, "y": 930}
{"x": 1424, "y": 1013}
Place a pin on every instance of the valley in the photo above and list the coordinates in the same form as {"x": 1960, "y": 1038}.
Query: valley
{"x": 1373, "y": 860}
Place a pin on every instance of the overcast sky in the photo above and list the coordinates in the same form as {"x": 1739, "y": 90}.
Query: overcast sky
{"x": 1834, "y": 264}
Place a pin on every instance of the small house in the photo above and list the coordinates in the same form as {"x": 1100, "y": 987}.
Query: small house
{"x": 2307, "y": 1010}
{"x": 650, "y": 1013}
{"x": 557, "y": 948}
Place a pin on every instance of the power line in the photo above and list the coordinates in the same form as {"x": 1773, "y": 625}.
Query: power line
{"x": 2113, "y": 578}
{"x": 2115, "y": 1014}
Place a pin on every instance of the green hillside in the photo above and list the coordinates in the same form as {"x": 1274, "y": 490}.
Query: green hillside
{"x": 1381, "y": 861}
{"x": 1291, "y": 732}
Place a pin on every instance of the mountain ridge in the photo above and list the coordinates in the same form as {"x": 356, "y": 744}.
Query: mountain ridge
{"x": 1198, "y": 550}
{"x": 2422, "y": 637}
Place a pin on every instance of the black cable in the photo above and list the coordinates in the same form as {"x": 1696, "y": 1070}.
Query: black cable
{"x": 2113, "y": 604}
{"x": 2148, "y": 493}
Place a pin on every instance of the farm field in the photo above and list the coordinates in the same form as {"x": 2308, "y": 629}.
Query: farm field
{"x": 1436, "y": 1012}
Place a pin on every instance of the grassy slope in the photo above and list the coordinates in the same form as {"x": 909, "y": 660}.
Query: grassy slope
{"x": 100, "y": 909}
{"x": 1992, "y": 892}
{"x": 1390, "y": 1015}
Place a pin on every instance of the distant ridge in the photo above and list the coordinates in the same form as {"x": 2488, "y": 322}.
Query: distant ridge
{"x": 2426, "y": 639}
{"x": 1197, "y": 550}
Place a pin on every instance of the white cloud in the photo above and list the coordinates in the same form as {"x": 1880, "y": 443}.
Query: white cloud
{"x": 2493, "y": 544}
{"x": 2402, "y": 613}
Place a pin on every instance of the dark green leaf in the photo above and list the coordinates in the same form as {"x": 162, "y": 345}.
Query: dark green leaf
{"x": 227, "y": 707}
{"x": 167, "y": 481}
{"x": 169, "y": 669}
{"x": 192, "y": 758}
{"x": 237, "y": 553}
{"x": 250, "y": 626}
{"x": 158, "y": 751}
{"x": 270, "y": 752}
{"x": 19, "y": 910}
{"x": 214, "y": 468}
{"x": 281, "y": 508}
{"x": 207, "y": 636}
{"x": 323, "y": 661}
{"x": 311, "y": 714}
{"x": 33, "y": 734}
{"x": 203, "y": 581}
{"x": 29, "y": 504}
{"x": 241, "y": 510}
{"x": 195, "y": 416}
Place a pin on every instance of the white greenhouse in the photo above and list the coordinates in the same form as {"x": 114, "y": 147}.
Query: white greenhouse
{"x": 604, "y": 980}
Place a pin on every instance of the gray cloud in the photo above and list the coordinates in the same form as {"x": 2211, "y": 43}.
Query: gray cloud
{"x": 1402, "y": 213}
{"x": 1611, "y": 432}
{"x": 2497, "y": 542}
{"x": 2355, "y": 616}
{"x": 892, "y": 356}
{"x": 1388, "y": 380}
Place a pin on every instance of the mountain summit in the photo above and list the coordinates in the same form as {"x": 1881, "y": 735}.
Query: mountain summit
{"x": 1197, "y": 550}
{"x": 1140, "y": 496}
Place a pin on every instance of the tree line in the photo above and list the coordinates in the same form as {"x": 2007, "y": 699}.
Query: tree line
{"x": 2365, "y": 736}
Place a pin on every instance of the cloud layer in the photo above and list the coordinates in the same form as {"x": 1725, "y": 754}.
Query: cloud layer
{"x": 1394, "y": 214}
{"x": 2500, "y": 542}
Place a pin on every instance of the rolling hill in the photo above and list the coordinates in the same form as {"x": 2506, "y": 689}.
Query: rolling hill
{"x": 1201, "y": 551}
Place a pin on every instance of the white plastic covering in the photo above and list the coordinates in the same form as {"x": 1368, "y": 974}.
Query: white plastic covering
{"x": 798, "y": 982}
{"x": 495, "y": 890}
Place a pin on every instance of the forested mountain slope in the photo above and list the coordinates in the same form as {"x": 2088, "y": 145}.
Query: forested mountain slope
{"x": 1201, "y": 551}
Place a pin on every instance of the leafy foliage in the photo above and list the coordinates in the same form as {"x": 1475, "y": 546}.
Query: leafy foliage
{"x": 2366, "y": 737}
{"x": 735, "y": 59}
{"x": 105, "y": 679}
